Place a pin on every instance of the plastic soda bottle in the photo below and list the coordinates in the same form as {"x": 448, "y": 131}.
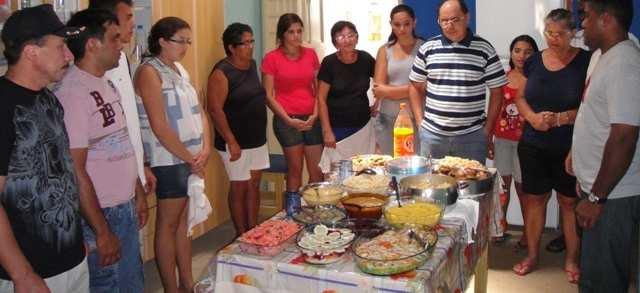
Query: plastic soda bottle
{"x": 403, "y": 133}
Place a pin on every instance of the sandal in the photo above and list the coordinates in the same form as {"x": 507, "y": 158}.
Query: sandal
{"x": 501, "y": 239}
{"x": 525, "y": 267}
{"x": 521, "y": 245}
{"x": 556, "y": 245}
{"x": 573, "y": 276}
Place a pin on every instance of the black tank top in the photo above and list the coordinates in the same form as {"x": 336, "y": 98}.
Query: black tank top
{"x": 244, "y": 107}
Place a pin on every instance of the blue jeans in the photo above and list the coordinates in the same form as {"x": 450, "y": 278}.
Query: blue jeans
{"x": 470, "y": 146}
{"x": 605, "y": 255}
{"x": 126, "y": 275}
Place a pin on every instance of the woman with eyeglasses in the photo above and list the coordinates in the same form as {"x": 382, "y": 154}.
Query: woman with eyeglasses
{"x": 176, "y": 140}
{"x": 344, "y": 80}
{"x": 391, "y": 77}
{"x": 555, "y": 79}
{"x": 239, "y": 114}
{"x": 289, "y": 79}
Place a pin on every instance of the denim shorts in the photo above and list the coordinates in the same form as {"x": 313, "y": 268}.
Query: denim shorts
{"x": 289, "y": 136}
{"x": 172, "y": 181}
{"x": 126, "y": 275}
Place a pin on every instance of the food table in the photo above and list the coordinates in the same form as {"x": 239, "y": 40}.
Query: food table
{"x": 456, "y": 257}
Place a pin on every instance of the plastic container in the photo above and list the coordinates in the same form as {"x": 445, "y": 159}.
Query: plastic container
{"x": 292, "y": 202}
{"x": 403, "y": 136}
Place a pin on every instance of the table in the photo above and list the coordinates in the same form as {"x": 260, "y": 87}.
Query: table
{"x": 455, "y": 259}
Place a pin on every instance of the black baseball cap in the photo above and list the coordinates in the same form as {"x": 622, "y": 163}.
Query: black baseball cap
{"x": 32, "y": 23}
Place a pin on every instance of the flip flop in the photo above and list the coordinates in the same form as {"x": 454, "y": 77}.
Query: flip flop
{"x": 520, "y": 246}
{"x": 525, "y": 267}
{"x": 572, "y": 276}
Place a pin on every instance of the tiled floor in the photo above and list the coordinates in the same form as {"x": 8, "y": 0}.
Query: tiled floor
{"x": 548, "y": 278}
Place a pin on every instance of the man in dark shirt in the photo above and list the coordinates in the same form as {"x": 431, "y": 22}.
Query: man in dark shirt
{"x": 41, "y": 245}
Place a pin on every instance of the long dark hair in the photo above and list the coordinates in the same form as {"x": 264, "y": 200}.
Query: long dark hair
{"x": 408, "y": 10}
{"x": 284, "y": 22}
{"x": 521, "y": 38}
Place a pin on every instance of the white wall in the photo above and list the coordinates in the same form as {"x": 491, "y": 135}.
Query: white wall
{"x": 371, "y": 19}
{"x": 499, "y": 21}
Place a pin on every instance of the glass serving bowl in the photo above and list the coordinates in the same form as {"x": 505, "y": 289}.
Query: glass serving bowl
{"x": 364, "y": 205}
{"x": 322, "y": 193}
{"x": 393, "y": 252}
{"x": 414, "y": 213}
{"x": 324, "y": 244}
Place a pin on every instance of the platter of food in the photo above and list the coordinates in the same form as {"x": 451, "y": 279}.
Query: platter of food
{"x": 473, "y": 177}
{"x": 269, "y": 238}
{"x": 370, "y": 161}
{"x": 394, "y": 252}
{"x": 413, "y": 214}
{"x": 324, "y": 214}
{"x": 461, "y": 168}
{"x": 367, "y": 183}
{"x": 322, "y": 244}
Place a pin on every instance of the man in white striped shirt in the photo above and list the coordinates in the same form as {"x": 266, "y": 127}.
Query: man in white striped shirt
{"x": 449, "y": 79}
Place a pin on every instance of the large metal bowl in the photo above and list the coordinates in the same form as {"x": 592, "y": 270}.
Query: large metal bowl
{"x": 422, "y": 187}
{"x": 475, "y": 188}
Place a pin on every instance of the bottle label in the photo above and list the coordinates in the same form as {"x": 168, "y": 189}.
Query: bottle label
{"x": 402, "y": 141}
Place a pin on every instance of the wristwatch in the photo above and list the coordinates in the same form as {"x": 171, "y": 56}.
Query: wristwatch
{"x": 592, "y": 198}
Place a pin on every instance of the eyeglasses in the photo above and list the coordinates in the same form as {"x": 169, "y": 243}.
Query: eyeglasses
{"x": 181, "y": 42}
{"x": 344, "y": 38}
{"x": 554, "y": 35}
{"x": 248, "y": 43}
{"x": 450, "y": 21}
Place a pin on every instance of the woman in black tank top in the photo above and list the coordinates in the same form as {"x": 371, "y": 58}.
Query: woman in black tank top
{"x": 238, "y": 111}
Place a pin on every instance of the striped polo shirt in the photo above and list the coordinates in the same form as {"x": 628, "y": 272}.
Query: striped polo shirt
{"x": 457, "y": 76}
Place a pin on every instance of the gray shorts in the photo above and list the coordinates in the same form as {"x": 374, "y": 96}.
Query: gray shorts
{"x": 288, "y": 136}
{"x": 505, "y": 158}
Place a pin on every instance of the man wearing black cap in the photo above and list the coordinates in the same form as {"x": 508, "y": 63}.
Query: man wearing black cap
{"x": 41, "y": 241}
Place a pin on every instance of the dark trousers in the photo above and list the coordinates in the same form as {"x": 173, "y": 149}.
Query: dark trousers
{"x": 606, "y": 255}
